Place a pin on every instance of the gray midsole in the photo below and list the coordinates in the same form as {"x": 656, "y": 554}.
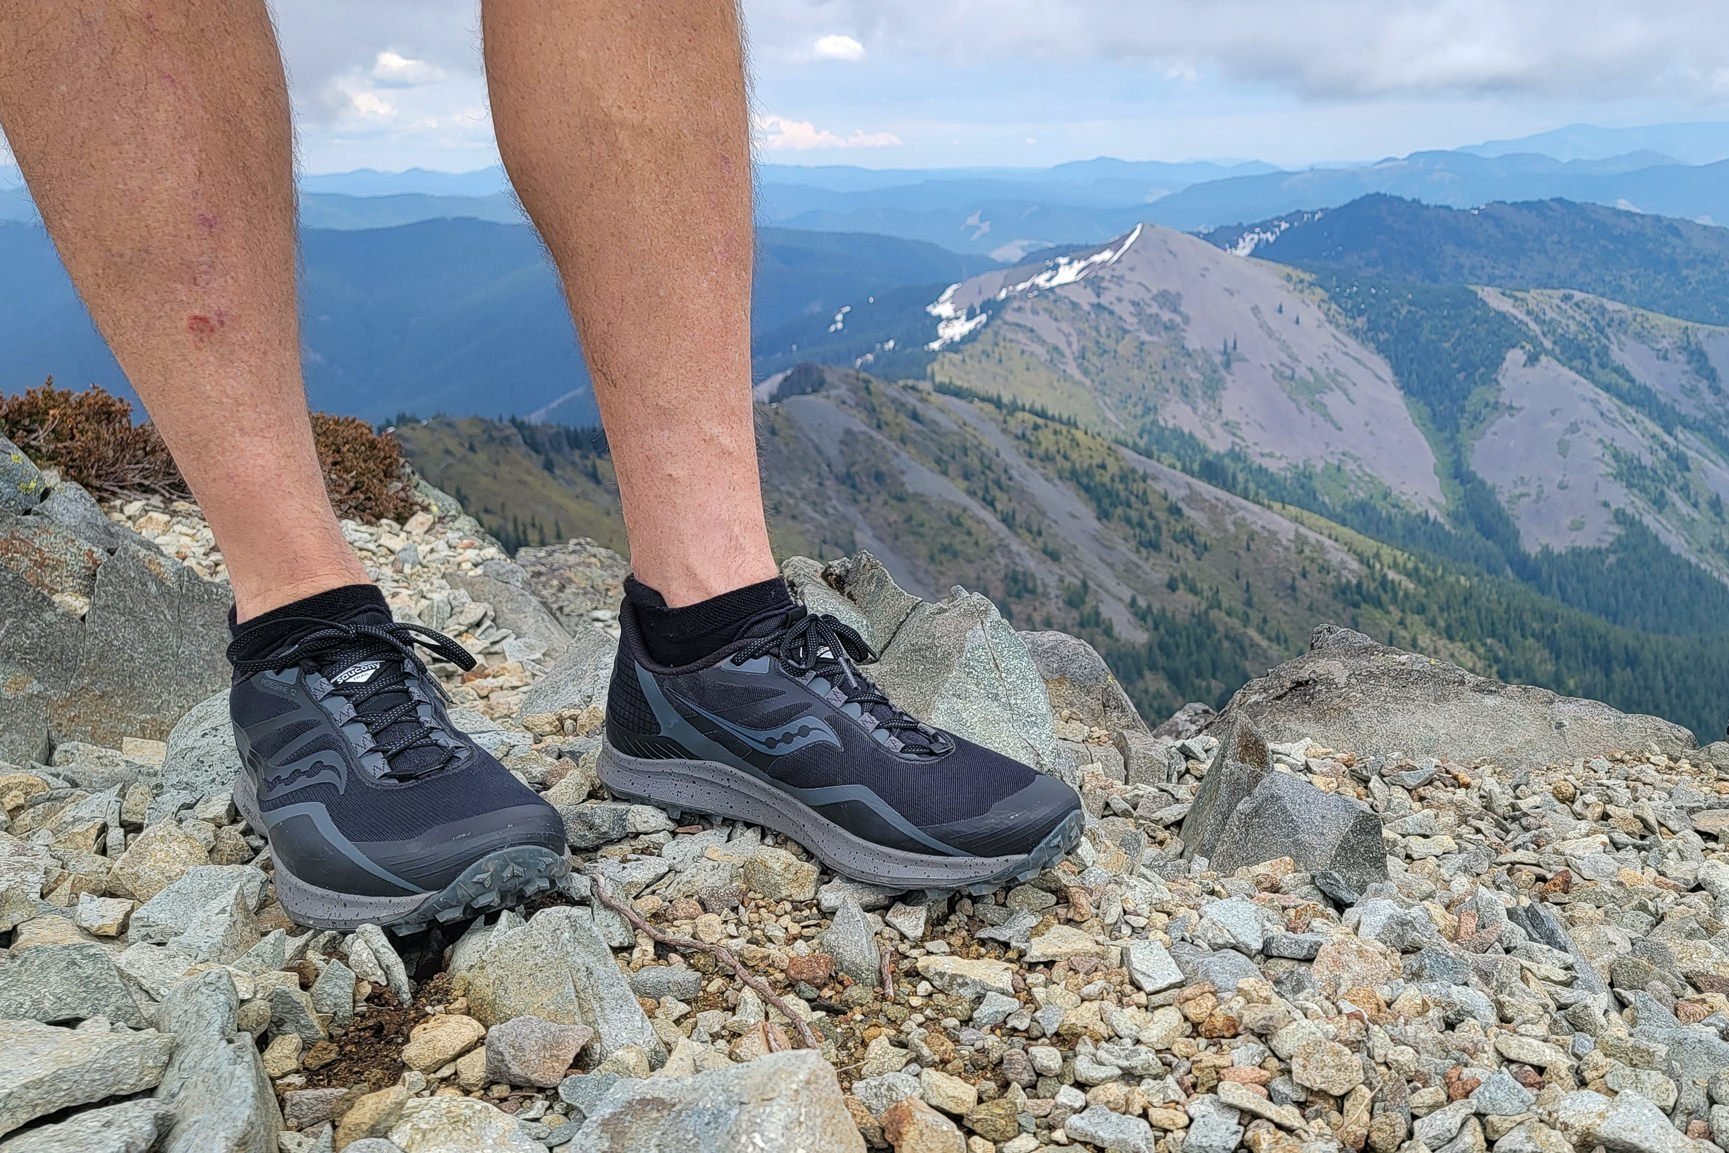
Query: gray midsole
{"x": 720, "y": 789}
{"x": 318, "y": 907}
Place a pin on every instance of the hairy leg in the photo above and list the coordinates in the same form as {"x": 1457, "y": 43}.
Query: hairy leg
{"x": 155, "y": 138}
{"x": 626, "y": 132}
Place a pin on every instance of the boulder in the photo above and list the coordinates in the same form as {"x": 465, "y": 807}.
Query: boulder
{"x": 1078, "y": 680}
{"x": 557, "y": 967}
{"x": 1245, "y": 813}
{"x": 201, "y": 758}
{"x": 49, "y": 1068}
{"x": 129, "y": 1127}
{"x": 459, "y": 1125}
{"x": 222, "y": 1100}
{"x": 21, "y": 483}
{"x": 787, "y": 1100}
{"x": 505, "y": 586}
{"x": 154, "y": 645}
{"x": 579, "y": 677}
{"x": 65, "y": 983}
{"x": 1349, "y": 692}
{"x": 576, "y": 579}
{"x": 954, "y": 663}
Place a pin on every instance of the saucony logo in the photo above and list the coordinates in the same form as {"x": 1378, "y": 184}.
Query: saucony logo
{"x": 320, "y": 768}
{"x": 796, "y": 734}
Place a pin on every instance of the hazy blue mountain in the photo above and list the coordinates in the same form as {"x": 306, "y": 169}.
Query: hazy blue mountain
{"x": 338, "y": 210}
{"x": 1696, "y": 143}
{"x": 447, "y": 315}
{"x": 1459, "y": 180}
{"x": 425, "y": 181}
{"x": 1669, "y": 266}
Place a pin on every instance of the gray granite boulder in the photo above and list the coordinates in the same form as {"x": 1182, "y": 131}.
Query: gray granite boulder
{"x": 56, "y": 983}
{"x": 49, "y": 1067}
{"x": 1349, "y": 692}
{"x": 1245, "y": 812}
{"x": 1077, "y": 678}
{"x": 222, "y": 1100}
{"x": 129, "y": 1127}
{"x": 21, "y": 483}
{"x": 557, "y": 967}
{"x": 788, "y": 1100}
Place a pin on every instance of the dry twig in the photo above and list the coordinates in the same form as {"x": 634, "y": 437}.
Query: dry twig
{"x": 721, "y": 953}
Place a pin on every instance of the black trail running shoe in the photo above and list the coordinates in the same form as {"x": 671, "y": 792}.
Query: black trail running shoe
{"x": 378, "y": 809}
{"x": 784, "y": 731}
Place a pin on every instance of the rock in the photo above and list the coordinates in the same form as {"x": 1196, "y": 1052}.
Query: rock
{"x": 157, "y": 857}
{"x": 533, "y": 1051}
{"x": 21, "y": 483}
{"x": 1245, "y": 813}
{"x": 439, "y": 1040}
{"x": 578, "y": 678}
{"x": 1151, "y": 967}
{"x": 459, "y": 1125}
{"x": 793, "y": 1095}
{"x": 965, "y": 977}
{"x": 1078, "y": 680}
{"x": 69, "y": 505}
{"x": 505, "y": 586}
{"x": 47, "y": 577}
{"x": 1189, "y": 721}
{"x": 954, "y": 663}
{"x": 25, "y": 870}
{"x": 911, "y": 1126}
{"x": 384, "y": 954}
{"x": 1351, "y": 693}
{"x": 557, "y": 967}
{"x": 102, "y": 916}
{"x": 780, "y": 876}
{"x": 853, "y": 944}
{"x": 190, "y": 901}
{"x": 1214, "y": 1127}
{"x": 49, "y": 1067}
{"x": 372, "y": 1115}
{"x": 153, "y": 645}
{"x": 1099, "y": 1126}
{"x": 129, "y": 1127}
{"x": 222, "y": 1100}
{"x": 952, "y": 1095}
{"x": 64, "y": 983}
{"x": 1327, "y": 1066}
{"x": 1626, "y": 1123}
{"x": 201, "y": 757}
{"x": 659, "y": 981}
{"x": 1064, "y": 943}
{"x": 1529, "y": 1051}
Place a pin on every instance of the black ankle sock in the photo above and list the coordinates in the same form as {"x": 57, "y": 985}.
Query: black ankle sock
{"x": 684, "y": 635}
{"x": 263, "y": 635}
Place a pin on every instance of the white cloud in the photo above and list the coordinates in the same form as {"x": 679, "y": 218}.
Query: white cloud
{"x": 1593, "y": 50}
{"x": 835, "y": 46}
{"x": 781, "y": 134}
{"x": 394, "y": 70}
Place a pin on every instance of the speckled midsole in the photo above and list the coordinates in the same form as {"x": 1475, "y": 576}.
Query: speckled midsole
{"x": 721, "y": 790}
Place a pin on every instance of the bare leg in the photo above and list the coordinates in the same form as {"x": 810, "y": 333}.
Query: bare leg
{"x": 155, "y": 139}
{"x": 625, "y": 130}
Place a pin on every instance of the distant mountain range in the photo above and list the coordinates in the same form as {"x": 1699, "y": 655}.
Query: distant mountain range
{"x": 445, "y": 315}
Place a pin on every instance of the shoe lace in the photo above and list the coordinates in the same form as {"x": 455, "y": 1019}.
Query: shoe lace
{"x": 382, "y": 702}
{"x": 819, "y": 644}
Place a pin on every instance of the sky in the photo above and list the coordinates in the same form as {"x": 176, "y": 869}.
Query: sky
{"x": 393, "y": 84}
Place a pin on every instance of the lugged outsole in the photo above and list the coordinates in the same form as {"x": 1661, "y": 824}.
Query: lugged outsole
{"x": 712, "y": 789}
{"x": 502, "y": 878}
